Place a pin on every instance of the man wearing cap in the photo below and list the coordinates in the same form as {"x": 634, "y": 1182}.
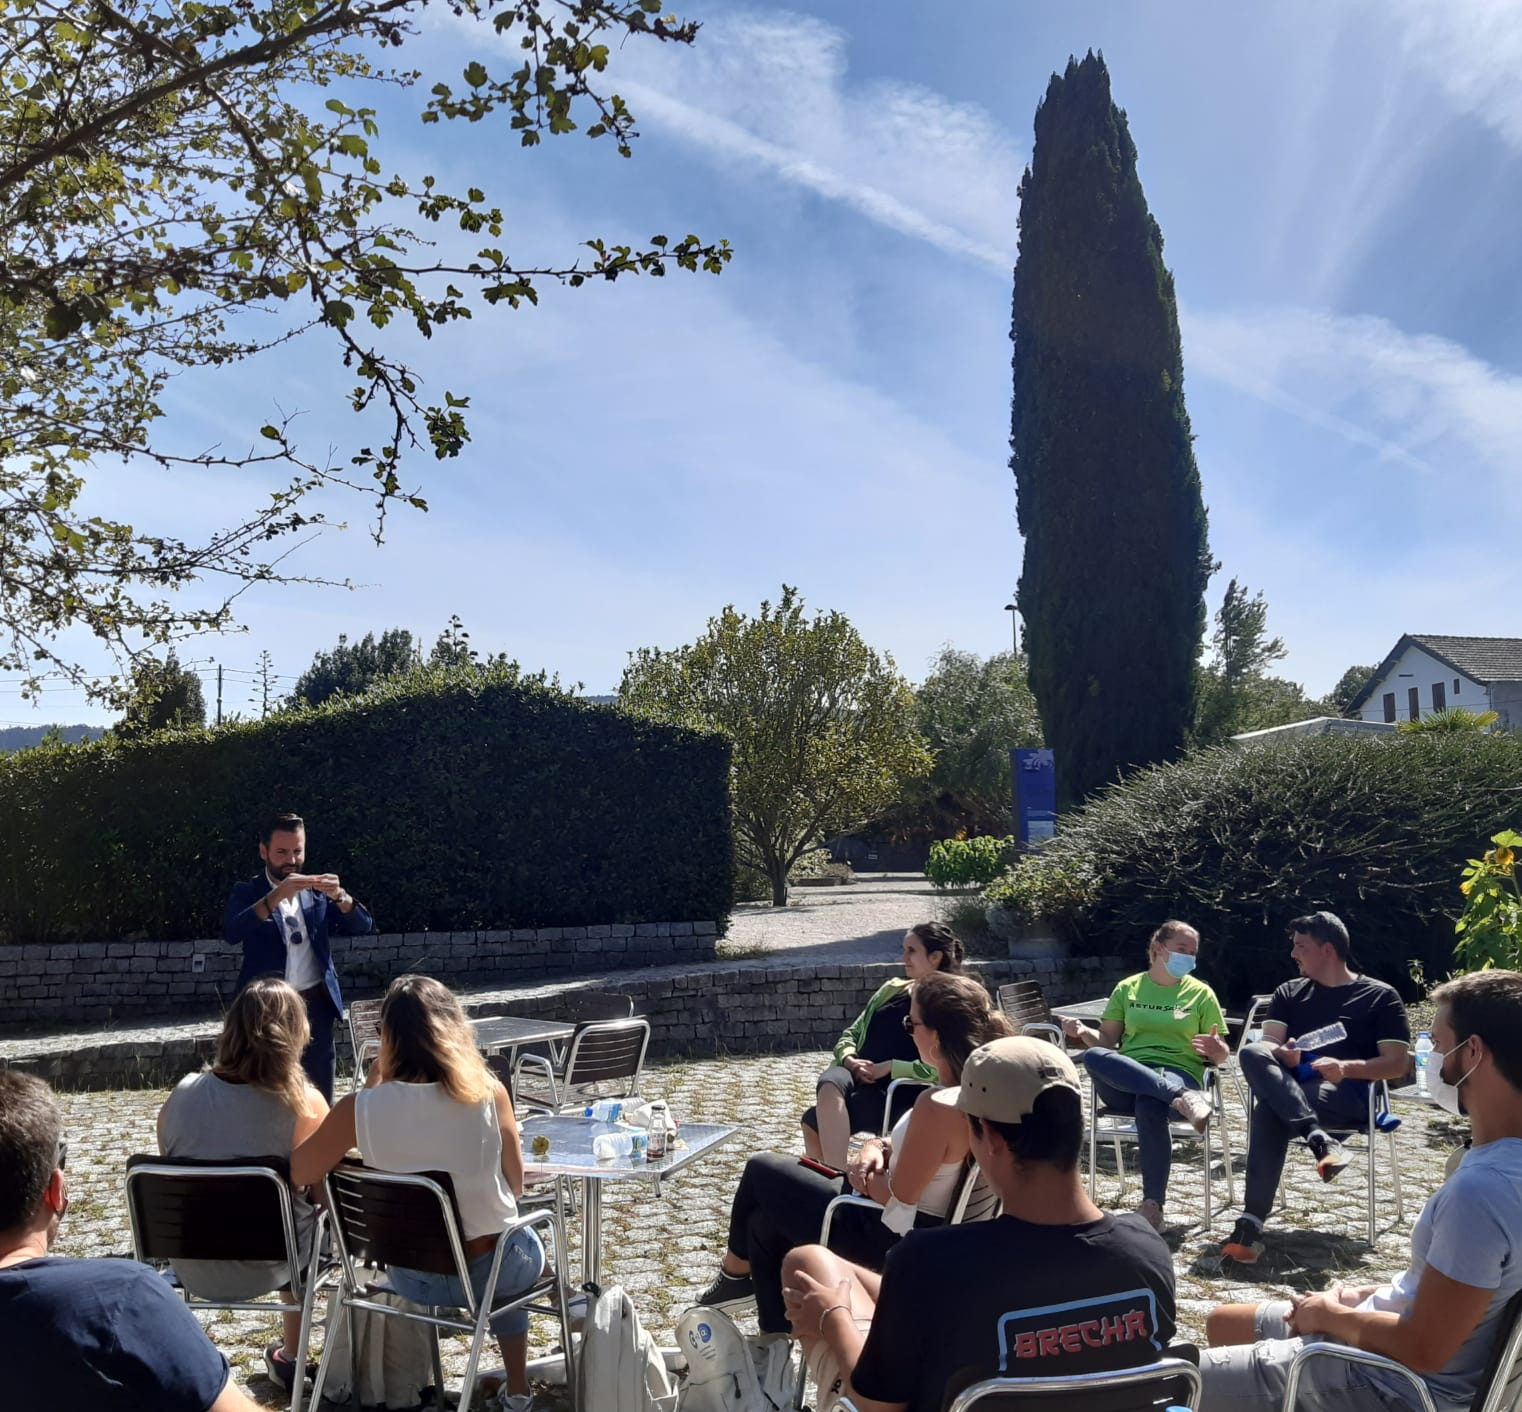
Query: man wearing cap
{"x": 1053, "y": 1287}
{"x": 1310, "y": 1095}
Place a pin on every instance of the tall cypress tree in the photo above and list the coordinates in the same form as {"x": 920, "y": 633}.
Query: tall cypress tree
{"x": 1116, "y": 559}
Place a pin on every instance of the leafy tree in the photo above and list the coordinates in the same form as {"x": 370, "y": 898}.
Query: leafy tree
{"x": 349, "y": 670}
{"x": 1452, "y": 720}
{"x": 165, "y": 696}
{"x": 972, "y": 713}
{"x": 822, "y": 726}
{"x": 168, "y": 170}
{"x": 1349, "y": 684}
{"x": 1235, "y": 692}
{"x": 1116, "y": 559}
{"x": 453, "y": 650}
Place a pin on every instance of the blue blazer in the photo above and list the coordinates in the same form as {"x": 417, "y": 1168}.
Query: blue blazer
{"x": 264, "y": 946}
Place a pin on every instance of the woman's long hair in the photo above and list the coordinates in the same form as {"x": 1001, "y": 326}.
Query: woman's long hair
{"x": 959, "y": 1010}
{"x": 262, "y": 1037}
{"x": 938, "y": 939}
{"x": 426, "y": 1039}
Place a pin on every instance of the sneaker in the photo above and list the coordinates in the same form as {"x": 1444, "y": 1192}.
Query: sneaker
{"x": 277, "y": 1367}
{"x": 1245, "y": 1243}
{"x": 727, "y": 1289}
{"x": 1194, "y": 1108}
{"x": 1152, "y": 1213}
{"x": 1331, "y": 1156}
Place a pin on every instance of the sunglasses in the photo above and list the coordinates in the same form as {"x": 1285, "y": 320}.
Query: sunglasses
{"x": 911, "y": 1024}
{"x": 63, "y": 1153}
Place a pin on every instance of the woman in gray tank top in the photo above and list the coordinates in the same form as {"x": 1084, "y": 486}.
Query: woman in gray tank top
{"x": 254, "y": 1101}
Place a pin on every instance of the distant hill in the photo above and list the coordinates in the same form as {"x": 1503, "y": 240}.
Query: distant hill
{"x": 13, "y": 738}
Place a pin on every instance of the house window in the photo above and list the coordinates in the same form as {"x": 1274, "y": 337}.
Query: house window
{"x": 1414, "y": 702}
{"x": 1439, "y": 696}
{"x": 1389, "y": 705}
{"x": 1455, "y": 686}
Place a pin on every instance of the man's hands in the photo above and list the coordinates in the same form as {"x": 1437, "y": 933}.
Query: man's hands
{"x": 1332, "y": 1070}
{"x": 808, "y": 1301}
{"x": 1211, "y": 1047}
{"x": 1309, "y": 1312}
{"x": 864, "y": 1071}
{"x": 325, "y": 883}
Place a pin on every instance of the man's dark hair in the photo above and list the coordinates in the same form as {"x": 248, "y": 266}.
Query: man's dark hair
{"x": 1052, "y": 1132}
{"x": 1488, "y": 1004}
{"x": 30, "y": 1128}
{"x": 1327, "y": 928}
{"x": 280, "y": 823}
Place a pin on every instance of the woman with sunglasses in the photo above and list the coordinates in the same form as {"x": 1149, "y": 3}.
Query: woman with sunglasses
{"x": 912, "y": 1175}
{"x": 1159, "y": 1030}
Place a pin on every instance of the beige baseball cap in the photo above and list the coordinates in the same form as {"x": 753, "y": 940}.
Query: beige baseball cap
{"x": 1004, "y": 1078}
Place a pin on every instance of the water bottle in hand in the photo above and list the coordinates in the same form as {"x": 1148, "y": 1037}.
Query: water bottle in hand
{"x": 1316, "y": 1040}
{"x": 1423, "y": 1053}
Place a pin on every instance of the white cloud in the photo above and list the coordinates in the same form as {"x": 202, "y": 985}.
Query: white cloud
{"x": 772, "y": 91}
{"x": 1472, "y": 50}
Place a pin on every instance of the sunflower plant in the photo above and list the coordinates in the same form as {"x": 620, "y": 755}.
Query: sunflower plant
{"x": 1490, "y": 929}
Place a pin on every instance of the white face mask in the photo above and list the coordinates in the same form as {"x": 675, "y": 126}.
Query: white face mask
{"x": 1445, "y": 1094}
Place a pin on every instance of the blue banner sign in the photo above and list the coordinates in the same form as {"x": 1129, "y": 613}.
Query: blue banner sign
{"x": 1035, "y": 776}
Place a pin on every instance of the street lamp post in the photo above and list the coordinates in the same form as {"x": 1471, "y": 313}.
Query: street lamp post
{"x": 1013, "y": 609}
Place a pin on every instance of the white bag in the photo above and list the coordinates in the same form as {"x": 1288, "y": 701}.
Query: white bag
{"x": 727, "y": 1372}
{"x": 619, "y": 1368}
{"x": 395, "y": 1360}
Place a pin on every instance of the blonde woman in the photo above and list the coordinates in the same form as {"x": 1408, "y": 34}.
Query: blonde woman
{"x": 431, "y": 1104}
{"x": 254, "y": 1101}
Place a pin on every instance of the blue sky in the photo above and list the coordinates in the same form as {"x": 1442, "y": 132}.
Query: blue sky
{"x": 1339, "y": 186}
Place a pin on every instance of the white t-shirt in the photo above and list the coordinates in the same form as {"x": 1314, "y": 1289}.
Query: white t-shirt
{"x": 302, "y": 968}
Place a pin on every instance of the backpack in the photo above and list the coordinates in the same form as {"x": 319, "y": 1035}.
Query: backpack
{"x": 619, "y": 1368}
{"x": 727, "y": 1372}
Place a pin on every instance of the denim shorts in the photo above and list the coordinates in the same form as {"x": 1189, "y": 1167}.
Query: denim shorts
{"x": 522, "y": 1264}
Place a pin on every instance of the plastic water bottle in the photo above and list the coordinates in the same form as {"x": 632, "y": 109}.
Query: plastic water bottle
{"x": 607, "y": 1147}
{"x": 1333, "y": 1033}
{"x": 605, "y": 1110}
{"x": 1423, "y": 1052}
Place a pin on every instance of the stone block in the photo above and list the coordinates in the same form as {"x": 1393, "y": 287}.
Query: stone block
{"x": 600, "y": 931}
{"x": 706, "y": 928}
{"x": 622, "y": 929}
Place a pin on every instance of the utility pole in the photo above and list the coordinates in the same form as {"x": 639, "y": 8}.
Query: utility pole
{"x": 219, "y": 693}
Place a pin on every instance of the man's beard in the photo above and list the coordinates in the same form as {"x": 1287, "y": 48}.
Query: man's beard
{"x": 284, "y": 870}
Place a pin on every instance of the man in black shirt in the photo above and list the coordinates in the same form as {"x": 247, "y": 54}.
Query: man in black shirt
{"x": 1299, "y": 1093}
{"x": 1053, "y": 1287}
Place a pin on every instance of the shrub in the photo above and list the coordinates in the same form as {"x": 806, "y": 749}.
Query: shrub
{"x": 968, "y": 862}
{"x": 444, "y": 800}
{"x": 1239, "y": 841}
{"x": 1490, "y": 931}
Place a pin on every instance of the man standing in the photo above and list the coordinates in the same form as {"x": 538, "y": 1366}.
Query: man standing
{"x": 1442, "y": 1316}
{"x": 1304, "y": 1094}
{"x": 104, "y": 1334}
{"x": 1054, "y": 1287}
{"x": 281, "y": 919}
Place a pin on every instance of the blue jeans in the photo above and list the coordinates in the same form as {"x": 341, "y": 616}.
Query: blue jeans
{"x": 1126, "y": 1086}
{"x": 522, "y": 1263}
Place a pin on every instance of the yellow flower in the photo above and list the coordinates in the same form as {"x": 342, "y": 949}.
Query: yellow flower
{"x": 1504, "y": 857}
{"x": 1465, "y": 887}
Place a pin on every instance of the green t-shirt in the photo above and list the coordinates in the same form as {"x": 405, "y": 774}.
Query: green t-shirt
{"x": 1160, "y": 1020}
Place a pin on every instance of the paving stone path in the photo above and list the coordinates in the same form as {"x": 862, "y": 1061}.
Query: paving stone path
{"x": 665, "y": 1250}
{"x": 860, "y": 921}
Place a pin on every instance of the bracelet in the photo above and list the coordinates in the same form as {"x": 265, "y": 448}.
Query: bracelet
{"x": 827, "y": 1314}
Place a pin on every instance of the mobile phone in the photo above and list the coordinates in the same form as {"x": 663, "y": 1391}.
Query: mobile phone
{"x": 819, "y": 1167}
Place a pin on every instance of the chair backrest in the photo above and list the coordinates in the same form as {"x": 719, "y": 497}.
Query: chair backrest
{"x": 1501, "y": 1385}
{"x": 395, "y": 1218}
{"x": 364, "y": 1030}
{"x": 1170, "y": 1382}
{"x": 608, "y": 1052}
{"x": 1252, "y": 1019}
{"x": 184, "y": 1209}
{"x": 590, "y": 1005}
{"x": 975, "y": 1199}
{"x": 1024, "y": 1003}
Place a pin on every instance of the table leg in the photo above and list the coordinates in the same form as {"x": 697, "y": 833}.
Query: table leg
{"x": 591, "y": 1231}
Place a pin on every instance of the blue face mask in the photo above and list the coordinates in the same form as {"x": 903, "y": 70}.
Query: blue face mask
{"x": 1179, "y": 963}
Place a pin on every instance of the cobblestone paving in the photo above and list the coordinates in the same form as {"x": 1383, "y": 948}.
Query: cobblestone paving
{"x": 665, "y": 1250}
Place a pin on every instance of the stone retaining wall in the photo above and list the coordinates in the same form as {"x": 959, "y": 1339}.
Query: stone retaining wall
{"x": 743, "y": 1007}
{"x": 110, "y": 982}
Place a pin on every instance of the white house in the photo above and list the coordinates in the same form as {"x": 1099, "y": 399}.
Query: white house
{"x": 1426, "y": 673}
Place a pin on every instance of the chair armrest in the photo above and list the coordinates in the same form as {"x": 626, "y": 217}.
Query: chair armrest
{"x": 537, "y": 1061}
{"x": 893, "y": 1088}
{"x": 844, "y": 1199}
{"x": 843, "y": 1404}
{"x": 1045, "y": 1029}
{"x": 1351, "y": 1355}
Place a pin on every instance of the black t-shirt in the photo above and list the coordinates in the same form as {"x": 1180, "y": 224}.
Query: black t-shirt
{"x": 1010, "y": 1299}
{"x": 1370, "y": 1010}
{"x": 886, "y": 1037}
{"x": 102, "y": 1336}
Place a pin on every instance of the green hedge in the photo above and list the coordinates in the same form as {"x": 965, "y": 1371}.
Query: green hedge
{"x": 1240, "y": 840}
{"x": 443, "y": 802}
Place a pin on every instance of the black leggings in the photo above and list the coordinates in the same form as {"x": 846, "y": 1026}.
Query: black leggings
{"x": 778, "y": 1206}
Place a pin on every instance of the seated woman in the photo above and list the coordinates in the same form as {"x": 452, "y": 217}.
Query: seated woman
{"x": 913, "y": 1174}
{"x": 254, "y": 1101}
{"x": 430, "y": 1104}
{"x": 875, "y": 1050}
{"x": 1169, "y": 1026}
